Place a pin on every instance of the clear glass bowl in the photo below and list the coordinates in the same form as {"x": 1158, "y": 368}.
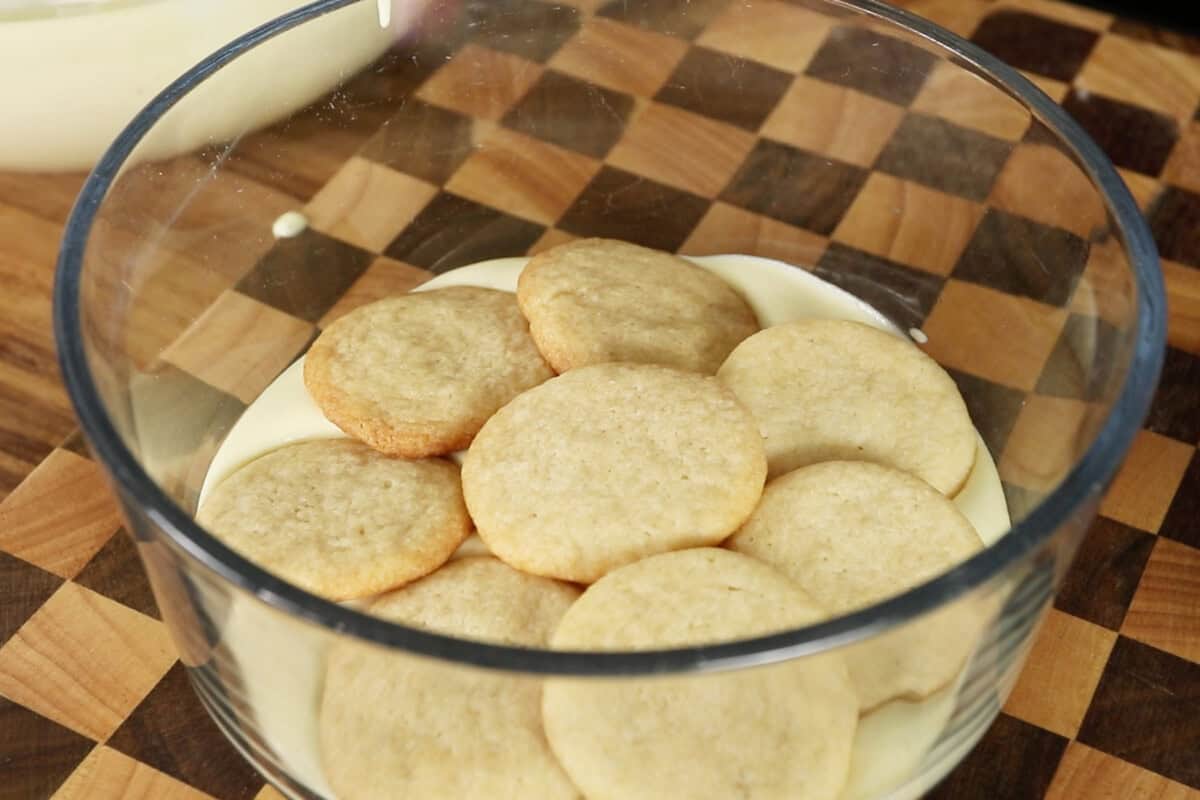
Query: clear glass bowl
{"x": 851, "y": 138}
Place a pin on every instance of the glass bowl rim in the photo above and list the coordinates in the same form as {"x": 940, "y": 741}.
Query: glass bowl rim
{"x": 1088, "y": 476}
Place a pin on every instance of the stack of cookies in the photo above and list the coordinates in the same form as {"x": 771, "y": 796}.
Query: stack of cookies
{"x": 621, "y": 417}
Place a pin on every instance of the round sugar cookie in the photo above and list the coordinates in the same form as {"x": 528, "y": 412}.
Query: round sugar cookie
{"x": 339, "y": 519}
{"x": 599, "y": 300}
{"x": 610, "y": 463}
{"x": 392, "y": 725}
{"x": 851, "y": 533}
{"x": 825, "y": 390}
{"x": 783, "y": 731}
{"x": 417, "y": 375}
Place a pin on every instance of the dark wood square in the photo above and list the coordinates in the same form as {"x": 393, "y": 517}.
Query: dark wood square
{"x": 1175, "y": 220}
{"x": 993, "y": 408}
{"x": 1101, "y": 582}
{"x": 171, "y": 731}
{"x": 1013, "y": 761}
{"x": 903, "y": 295}
{"x": 620, "y": 205}
{"x": 1022, "y": 257}
{"x": 116, "y": 572}
{"x": 571, "y": 113}
{"x": 452, "y": 231}
{"x": 794, "y": 186}
{"x": 1174, "y": 410}
{"x": 1034, "y": 43}
{"x": 530, "y": 29}
{"x": 1133, "y": 137}
{"x": 397, "y": 73}
{"x": 940, "y": 154}
{"x": 1146, "y": 711}
{"x": 872, "y": 63}
{"x": 306, "y": 274}
{"x": 36, "y": 754}
{"x": 76, "y": 444}
{"x": 683, "y": 19}
{"x": 725, "y": 87}
{"x": 26, "y": 588}
{"x": 422, "y": 140}
{"x": 1080, "y": 366}
{"x": 1182, "y": 522}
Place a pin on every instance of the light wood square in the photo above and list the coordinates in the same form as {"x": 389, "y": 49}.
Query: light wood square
{"x": 60, "y": 515}
{"x": 523, "y": 176}
{"x": 773, "y": 33}
{"x": 1061, "y": 673}
{"x": 1045, "y": 442}
{"x": 551, "y": 238}
{"x": 960, "y": 16}
{"x": 84, "y": 661}
{"x": 368, "y": 204}
{"x": 620, "y": 57}
{"x": 108, "y": 774}
{"x": 480, "y": 82}
{"x": 1183, "y": 167}
{"x": 1183, "y": 306}
{"x": 727, "y": 229}
{"x": 992, "y": 335}
{"x": 953, "y": 93}
{"x": 239, "y": 345}
{"x": 1165, "y": 612}
{"x": 1143, "y": 75}
{"x": 587, "y": 6}
{"x": 172, "y": 291}
{"x": 385, "y": 277}
{"x": 909, "y": 223}
{"x": 1057, "y": 90}
{"x": 1143, "y": 489}
{"x": 834, "y": 121}
{"x": 1041, "y": 183}
{"x": 1087, "y": 773}
{"x": 681, "y": 149}
{"x": 1145, "y": 190}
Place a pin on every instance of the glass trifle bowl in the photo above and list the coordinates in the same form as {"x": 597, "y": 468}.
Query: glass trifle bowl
{"x": 827, "y": 159}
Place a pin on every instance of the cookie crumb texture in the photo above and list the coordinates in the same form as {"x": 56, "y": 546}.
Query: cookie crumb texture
{"x": 418, "y": 374}
{"x": 611, "y": 463}
{"x": 600, "y": 300}
{"x": 338, "y": 519}
{"x": 854, "y": 533}
{"x": 772, "y": 733}
{"x": 392, "y": 725}
{"x": 829, "y": 390}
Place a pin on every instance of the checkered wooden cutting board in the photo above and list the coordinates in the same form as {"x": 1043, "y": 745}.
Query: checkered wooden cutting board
{"x": 93, "y": 703}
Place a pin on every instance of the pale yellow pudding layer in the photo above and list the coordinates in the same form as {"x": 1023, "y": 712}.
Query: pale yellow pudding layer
{"x": 890, "y": 741}
{"x": 73, "y": 82}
